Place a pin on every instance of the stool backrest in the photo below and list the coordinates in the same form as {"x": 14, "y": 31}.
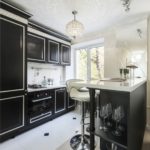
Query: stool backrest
{"x": 68, "y": 84}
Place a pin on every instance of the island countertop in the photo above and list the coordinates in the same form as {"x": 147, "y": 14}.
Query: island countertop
{"x": 128, "y": 86}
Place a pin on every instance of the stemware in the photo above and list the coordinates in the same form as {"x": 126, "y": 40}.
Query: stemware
{"x": 110, "y": 111}
{"x": 102, "y": 114}
{"x": 118, "y": 115}
{"x": 105, "y": 112}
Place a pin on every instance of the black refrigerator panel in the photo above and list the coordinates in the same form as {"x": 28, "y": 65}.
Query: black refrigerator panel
{"x": 11, "y": 114}
{"x": 12, "y": 53}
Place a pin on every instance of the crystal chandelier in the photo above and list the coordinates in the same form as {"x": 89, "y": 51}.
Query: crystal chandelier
{"x": 126, "y": 4}
{"x": 74, "y": 28}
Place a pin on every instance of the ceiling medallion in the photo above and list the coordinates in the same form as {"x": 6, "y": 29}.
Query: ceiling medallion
{"x": 126, "y": 4}
{"x": 74, "y": 28}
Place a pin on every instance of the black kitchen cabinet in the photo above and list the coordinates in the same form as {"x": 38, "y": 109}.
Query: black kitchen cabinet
{"x": 65, "y": 54}
{"x": 40, "y": 49}
{"x": 35, "y": 47}
{"x": 53, "y": 52}
{"x": 70, "y": 102}
{"x": 11, "y": 114}
{"x": 60, "y": 100}
{"x": 12, "y": 56}
{"x": 131, "y": 126}
{"x": 12, "y": 71}
{"x": 105, "y": 145}
{"x": 12, "y": 77}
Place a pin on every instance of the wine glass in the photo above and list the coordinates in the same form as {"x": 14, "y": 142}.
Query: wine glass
{"x": 110, "y": 111}
{"x": 121, "y": 72}
{"x": 105, "y": 112}
{"x": 102, "y": 114}
{"x": 122, "y": 115}
{"x": 118, "y": 114}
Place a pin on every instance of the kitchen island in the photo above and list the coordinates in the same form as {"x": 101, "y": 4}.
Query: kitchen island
{"x": 131, "y": 95}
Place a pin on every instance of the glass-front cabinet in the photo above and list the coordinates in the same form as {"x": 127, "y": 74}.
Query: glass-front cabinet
{"x": 65, "y": 54}
{"x": 35, "y": 47}
{"x": 53, "y": 52}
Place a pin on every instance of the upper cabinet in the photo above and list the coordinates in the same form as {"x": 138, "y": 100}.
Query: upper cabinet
{"x": 65, "y": 54}
{"x": 35, "y": 47}
{"x": 53, "y": 52}
{"x": 44, "y": 45}
{"x": 40, "y": 49}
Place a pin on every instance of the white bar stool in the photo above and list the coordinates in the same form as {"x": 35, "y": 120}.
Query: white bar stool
{"x": 81, "y": 94}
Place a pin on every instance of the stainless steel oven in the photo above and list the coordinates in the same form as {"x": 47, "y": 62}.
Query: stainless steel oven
{"x": 40, "y": 105}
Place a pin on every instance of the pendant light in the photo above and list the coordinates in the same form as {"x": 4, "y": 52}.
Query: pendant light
{"x": 74, "y": 28}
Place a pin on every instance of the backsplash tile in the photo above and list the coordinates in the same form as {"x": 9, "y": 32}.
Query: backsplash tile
{"x": 37, "y": 71}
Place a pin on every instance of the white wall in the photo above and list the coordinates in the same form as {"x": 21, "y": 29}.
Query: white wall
{"x": 69, "y": 71}
{"x": 111, "y": 55}
{"x": 124, "y": 46}
{"x": 37, "y": 71}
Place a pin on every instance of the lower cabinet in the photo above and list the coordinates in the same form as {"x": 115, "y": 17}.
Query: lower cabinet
{"x": 11, "y": 114}
{"x": 18, "y": 115}
{"x": 60, "y": 100}
{"x": 70, "y": 103}
{"x": 105, "y": 145}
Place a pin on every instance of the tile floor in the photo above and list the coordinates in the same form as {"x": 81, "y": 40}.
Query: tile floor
{"x": 60, "y": 130}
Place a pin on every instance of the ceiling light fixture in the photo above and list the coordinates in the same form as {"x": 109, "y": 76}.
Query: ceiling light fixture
{"x": 74, "y": 28}
{"x": 126, "y": 4}
{"x": 139, "y": 31}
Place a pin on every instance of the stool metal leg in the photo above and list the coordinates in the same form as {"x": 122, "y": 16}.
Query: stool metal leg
{"x": 81, "y": 141}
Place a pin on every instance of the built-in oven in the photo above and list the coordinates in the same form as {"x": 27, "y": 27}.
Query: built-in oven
{"x": 40, "y": 105}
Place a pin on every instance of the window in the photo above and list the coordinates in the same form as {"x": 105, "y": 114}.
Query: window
{"x": 90, "y": 63}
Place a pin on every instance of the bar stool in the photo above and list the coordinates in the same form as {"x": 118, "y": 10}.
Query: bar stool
{"x": 81, "y": 94}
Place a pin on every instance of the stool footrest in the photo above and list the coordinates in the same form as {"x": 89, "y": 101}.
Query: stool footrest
{"x": 87, "y": 117}
{"x": 86, "y": 123}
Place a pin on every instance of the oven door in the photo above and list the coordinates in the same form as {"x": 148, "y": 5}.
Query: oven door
{"x": 41, "y": 108}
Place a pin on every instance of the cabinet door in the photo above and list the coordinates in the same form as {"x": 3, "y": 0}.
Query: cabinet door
{"x": 65, "y": 54}
{"x": 11, "y": 114}
{"x": 53, "y": 52}
{"x": 35, "y": 48}
{"x": 71, "y": 103}
{"x": 60, "y": 100}
{"x": 12, "y": 56}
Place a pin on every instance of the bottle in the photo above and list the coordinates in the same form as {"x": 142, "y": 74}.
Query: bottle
{"x": 44, "y": 82}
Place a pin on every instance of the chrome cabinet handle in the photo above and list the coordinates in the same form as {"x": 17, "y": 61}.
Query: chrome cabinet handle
{"x": 42, "y": 99}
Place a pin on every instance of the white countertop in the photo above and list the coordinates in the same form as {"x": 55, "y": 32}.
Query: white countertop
{"x": 47, "y": 88}
{"x": 128, "y": 85}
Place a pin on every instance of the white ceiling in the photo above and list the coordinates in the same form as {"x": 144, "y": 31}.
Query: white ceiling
{"x": 96, "y": 15}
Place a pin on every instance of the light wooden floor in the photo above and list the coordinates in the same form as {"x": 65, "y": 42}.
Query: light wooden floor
{"x": 146, "y": 143}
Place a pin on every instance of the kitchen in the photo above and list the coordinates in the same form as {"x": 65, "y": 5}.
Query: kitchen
{"x": 37, "y": 62}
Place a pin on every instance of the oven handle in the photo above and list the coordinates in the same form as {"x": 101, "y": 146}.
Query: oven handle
{"x": 42, "y": 99}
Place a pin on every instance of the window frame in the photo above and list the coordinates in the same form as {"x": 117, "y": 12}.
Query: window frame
{"x": 88, "y": 47}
